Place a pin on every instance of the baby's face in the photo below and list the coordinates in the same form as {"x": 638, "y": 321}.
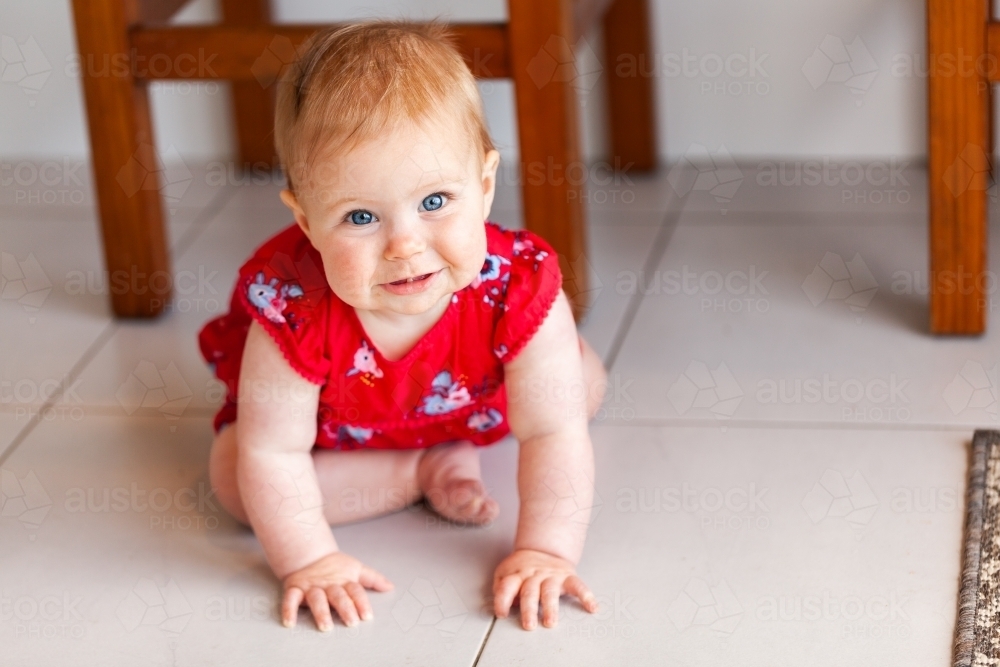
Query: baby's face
{"x": 399, "y": 220}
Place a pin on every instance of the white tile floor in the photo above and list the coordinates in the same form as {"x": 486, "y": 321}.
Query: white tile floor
{"x": 780, "y": 460}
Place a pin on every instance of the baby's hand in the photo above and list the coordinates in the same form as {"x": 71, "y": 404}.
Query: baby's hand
{"x": 534, "y": 574}
{"x": 336, "y": 579}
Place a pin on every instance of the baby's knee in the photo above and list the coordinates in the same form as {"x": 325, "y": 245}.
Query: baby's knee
{"x": 222, "y": 473}
{"x": 595, "y": 377}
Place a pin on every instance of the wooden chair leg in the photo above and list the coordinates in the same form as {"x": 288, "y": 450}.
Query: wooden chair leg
{"x": 958, "y": 164}
{"x": 629, "y": 66}
{"x": 540, "y": 37}
{"x": 124, "y": 160}
{"x": 253, "y": 104}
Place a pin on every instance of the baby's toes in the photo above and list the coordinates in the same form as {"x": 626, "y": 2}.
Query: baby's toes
{"x": 487, "y": 512}
{"x": 467, "y": 502}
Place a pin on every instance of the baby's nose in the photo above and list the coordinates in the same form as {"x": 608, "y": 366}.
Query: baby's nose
{"x": 405, "y": 241}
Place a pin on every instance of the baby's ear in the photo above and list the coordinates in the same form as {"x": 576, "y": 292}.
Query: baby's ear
{"x": 289, "y": 199}
{"x": 490, "y": 165}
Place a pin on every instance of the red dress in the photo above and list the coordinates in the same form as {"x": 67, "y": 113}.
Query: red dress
{"x": 449, "y": 386}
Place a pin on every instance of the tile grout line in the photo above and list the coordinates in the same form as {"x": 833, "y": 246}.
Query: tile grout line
{"x": 482, "y": 647}
{"x": 88, "y": 355}
{"x": 203, "y": 220}
{"x": 197, "y": 412}
{"x": 200, "y": 222}
{"x": 667, "y": 422}
{"x": 663, "y": 235}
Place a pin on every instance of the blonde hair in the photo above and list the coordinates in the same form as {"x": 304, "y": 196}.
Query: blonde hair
{"x": 354, "y": 82}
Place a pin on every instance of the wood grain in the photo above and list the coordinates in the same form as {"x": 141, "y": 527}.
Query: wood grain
{"x": 253, "y": 103}
{"x": 259, "y": 52}
{"x": 124, "y": 161}
{"x": 158, "y": 11}
{"x": 958, "y": 164}
{"x": 540, "y": 39}
{"x": 629, "y": 66}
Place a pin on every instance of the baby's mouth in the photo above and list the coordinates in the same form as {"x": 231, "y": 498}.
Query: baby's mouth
{"x": 414, "y": 279}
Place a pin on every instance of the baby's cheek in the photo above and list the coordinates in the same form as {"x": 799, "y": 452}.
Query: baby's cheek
{"x": 347, "y": 274}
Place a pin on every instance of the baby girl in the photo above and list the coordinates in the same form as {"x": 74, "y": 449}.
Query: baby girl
{"x": 375, "y": 344}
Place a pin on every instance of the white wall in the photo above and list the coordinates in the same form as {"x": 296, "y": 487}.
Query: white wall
{"x": 790, "y": 105}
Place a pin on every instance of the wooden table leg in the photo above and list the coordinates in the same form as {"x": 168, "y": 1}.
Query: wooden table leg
{"x": 629, "y": 66}
{"x": 540, "y": 40}
{"x": 958, "y": 164}
{"x": 124, "y": 160}
{"x": 253, "y": 104}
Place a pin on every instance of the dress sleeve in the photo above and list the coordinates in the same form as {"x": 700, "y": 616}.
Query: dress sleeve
{"x": 283, "y": 287}
{"x": 534, "y": 284}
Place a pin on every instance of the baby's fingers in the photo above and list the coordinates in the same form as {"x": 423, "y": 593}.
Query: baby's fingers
{"x": 316, "y": 597}
{"x": 360, "y": 598}
{"x": 343, "y": 603}
{"x": 575, "y": 586}
{"x": 290, "y": 606}
{"x": 529, "y": 601}
{"x": 503, "y": 594}
{"x": 551, "y": 590}
{"x": 374, "y": 579}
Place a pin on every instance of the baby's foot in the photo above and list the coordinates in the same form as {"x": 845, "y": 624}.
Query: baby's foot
{"x": 449, "y": 478}
{"x": 463, "y": 501}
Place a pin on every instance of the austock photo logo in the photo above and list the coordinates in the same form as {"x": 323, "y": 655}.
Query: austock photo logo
{"x": 24, "y": 65}
{"x": 279, "y": 52}
{"x": 728, "y": 291}
{"x": 731, "y": 74}
{"x": 556, "y": 496}
{"x": 149, "y": 387}
{"x": 972, "y": 170}
{"x": 835, "y": 62}
{"x": 833, "y": 279}
{"x": 51, "y": 182}
{"x": 701, "y": 389}
{"x": 288, "y": 496}
{"x": 703, "y": 604}
{"x": 738, "y": 507}
{"x": 700, "y": 170}
{"x": 146, "y": 169}
{"x": 23, "y": 498}
{"x": 836, "y": 496}
{"x": 154, "y": 605}
{"x": 855, "y": 399}
{"x": 974, "y": 388}
{"x": 559, "y": 61}
{"x": 24, "y": 281}
{"x": 425, "y": 605}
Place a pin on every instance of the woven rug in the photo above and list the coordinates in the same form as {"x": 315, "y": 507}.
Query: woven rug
{"x": 977, "y": 631}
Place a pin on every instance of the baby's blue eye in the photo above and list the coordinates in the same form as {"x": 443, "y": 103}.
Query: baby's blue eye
{"x": 361, "y": 217}
{"x": 432, "y": 202}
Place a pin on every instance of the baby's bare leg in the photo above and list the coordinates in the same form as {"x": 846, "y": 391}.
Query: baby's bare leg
{"x": 595, "y": 378}
{"x": 450, "y": 477}
{"x": 356, "y": 485}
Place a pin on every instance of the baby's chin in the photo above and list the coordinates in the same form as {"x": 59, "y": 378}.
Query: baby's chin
{"x": 378, "y": 298}
{"x": 410, "y": 304}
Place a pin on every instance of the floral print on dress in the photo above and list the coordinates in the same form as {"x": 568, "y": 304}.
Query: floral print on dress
{"x": 484, "y": 421}
{"x": 524, "y": 245}
{"x": 271, "y": 300}
{"x": 358, "y": 434}
{"x": 348, "y": 436}
{"x": 365, "y": 365}
{"x": 491, "y": 269}
{"x": 445, "y": 395}
{"x": 493, "y": 278}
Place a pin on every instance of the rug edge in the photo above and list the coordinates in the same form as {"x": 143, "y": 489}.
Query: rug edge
{"x": 965, "y": 630}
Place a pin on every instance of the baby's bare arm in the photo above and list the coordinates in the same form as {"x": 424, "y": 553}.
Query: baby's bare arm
{"x": 547, "y": 410}
{"x": 276, "y": 430}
